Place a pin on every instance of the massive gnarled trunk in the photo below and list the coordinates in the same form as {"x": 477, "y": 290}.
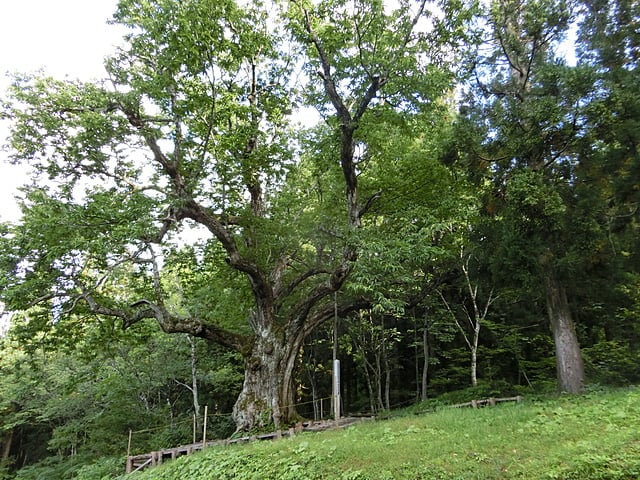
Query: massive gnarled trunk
{"x": 267, "y": 394}
{"x": 569, "y": 364}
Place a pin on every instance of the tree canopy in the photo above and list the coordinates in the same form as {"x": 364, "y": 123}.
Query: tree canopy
{"x": 464, "y": 189}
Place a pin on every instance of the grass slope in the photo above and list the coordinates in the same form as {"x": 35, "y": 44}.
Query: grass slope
{"x": 593, "y": 436}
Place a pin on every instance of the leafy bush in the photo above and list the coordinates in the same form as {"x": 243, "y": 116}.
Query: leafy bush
{"x": 612, "y": 363}
{"x": 102, "y": 469}
{"x": 78, "y": 467}
{"x": 59, "y": 468}
{"x": 600, "y": 466}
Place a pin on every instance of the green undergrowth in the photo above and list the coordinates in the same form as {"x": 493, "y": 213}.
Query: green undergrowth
{"x": 592, "y": 436}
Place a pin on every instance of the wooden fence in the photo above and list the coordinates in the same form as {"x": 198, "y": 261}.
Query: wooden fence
{"x": 487, "y": 402}
{"x": 140, "y": 462}
{"x": 491, "y": 402}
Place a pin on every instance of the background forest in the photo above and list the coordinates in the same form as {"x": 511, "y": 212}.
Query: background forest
{"x": 461, "y": 212}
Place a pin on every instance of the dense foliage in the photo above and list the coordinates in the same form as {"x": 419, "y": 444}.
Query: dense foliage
{"x": 462, "y": 215}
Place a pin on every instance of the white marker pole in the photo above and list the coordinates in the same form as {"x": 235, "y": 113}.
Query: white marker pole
{"x": 336, "y": 389}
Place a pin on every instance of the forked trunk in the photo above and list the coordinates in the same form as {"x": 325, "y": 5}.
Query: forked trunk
{"x": 267, "y": 395}
{"x": 569, "y": 364}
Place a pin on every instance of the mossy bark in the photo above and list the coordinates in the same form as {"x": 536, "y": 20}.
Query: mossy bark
{"x": 569, "y": 363}
{"x": 267, "y": 396}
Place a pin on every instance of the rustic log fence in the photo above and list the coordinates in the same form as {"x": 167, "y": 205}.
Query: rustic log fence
{"x": 491, "y": 402}
{"x": 136, "y": 463}
{"x": 487, "y": 402}
{"x": 140, "y": 462}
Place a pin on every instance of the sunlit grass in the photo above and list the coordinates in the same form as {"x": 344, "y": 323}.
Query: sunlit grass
{"x": 589, "y": 436}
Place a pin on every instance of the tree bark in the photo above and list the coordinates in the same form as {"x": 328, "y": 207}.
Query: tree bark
{"x": 7, "y": 442}
{"x": 427, "y": 358}
{"x": 264, "y": 396}
{"x": 569, "y": 363}
{"x": 387, "y": 368}
{"x": 194, "y": 379}
{"x": 370, "y": 387}
{"x": 474, "y": 363}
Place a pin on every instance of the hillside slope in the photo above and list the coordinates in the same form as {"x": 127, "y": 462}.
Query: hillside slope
{"x": 594, "y": 436}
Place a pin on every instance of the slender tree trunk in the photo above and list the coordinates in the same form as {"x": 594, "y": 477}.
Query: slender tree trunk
{"x": 427, "y": 358}
{"x": 378, "y": 379}
{"x": 7, "y": 441}
{"x": 474, "y": 366}
{"x": 387, "y": 384}
{"x": 387, "y": 367}
{"x": 369, "y": 387}
{"x": 569, "y": 363}
{"x": 476, "y": 318}
{"x": 314, "y": 398}
{"x": 416, "y": 357}
{"x": 474, "y": 353}
{"x": 310, "y": 369}
{"x": 194, "y": 380}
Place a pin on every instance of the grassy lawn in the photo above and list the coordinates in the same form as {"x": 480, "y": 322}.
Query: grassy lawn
{"x": 593, "y": 436}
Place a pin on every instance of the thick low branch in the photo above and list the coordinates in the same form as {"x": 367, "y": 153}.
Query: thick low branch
{"x": 170, "y": 323}
{"x": 213, "y": 333}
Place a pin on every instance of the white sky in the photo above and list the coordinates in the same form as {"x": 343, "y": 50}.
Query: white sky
{"x": 65, "y": 38}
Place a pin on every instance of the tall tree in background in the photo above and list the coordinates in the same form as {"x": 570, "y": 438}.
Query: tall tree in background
{"x": 609, "y": 44}
{"x": 191, "y": 130}
{"x": 526, "y": 115}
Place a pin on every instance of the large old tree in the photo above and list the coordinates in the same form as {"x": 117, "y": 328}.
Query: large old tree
{"x": 527, "y": 110}
{"x": 191, "y": 133}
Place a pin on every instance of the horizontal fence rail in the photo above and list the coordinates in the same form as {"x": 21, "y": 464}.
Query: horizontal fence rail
{"x": 139, "y": 462}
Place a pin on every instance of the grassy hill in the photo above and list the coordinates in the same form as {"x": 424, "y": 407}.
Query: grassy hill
{"x": 593, "y": 436}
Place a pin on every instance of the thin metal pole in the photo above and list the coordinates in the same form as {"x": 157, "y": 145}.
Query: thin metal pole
{"x": 335, "y": 326}
{"x": 336, "y": 362}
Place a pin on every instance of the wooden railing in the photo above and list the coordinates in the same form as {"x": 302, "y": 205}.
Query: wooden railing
{"x": 487, "y": 402}
{"x": 140, "y": 462}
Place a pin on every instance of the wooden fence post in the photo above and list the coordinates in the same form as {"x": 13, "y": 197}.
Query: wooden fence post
{"x": 204, "y": 427}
